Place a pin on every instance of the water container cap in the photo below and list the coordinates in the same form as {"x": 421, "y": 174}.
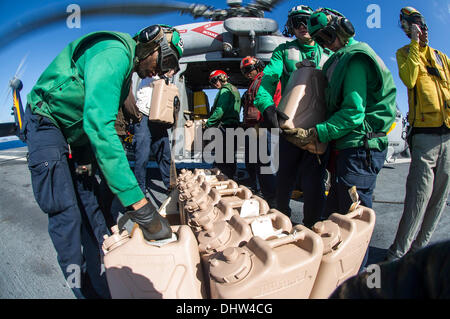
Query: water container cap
{"x": 204, "y": 217}
{"x": 329, "y": 232}
{"x": 214, "y": 237}
{"x": 115, "y": 240}
{"x": 231, "y": 265}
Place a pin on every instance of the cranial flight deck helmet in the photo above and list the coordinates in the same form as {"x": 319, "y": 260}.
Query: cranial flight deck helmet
{"x": 297, "y": 16}
{"x": 325, "y": 25}
{"x": 410, "y": 16}
{"x": 249, "y": 63}
{"x": 217, "y": 75}
{"x": 162, "y": 37}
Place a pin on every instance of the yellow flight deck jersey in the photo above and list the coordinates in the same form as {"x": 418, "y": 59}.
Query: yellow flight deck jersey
{"x": 425, "y": 72}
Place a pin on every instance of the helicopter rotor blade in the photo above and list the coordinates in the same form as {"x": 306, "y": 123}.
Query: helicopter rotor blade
{"x": 21, "y": 69}
{"x": 264, "y": 5}
{"x": 58, "y": 13}
{"x": 6, "y": 95}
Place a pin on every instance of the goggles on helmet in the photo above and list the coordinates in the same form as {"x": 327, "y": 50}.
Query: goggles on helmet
{"x": 247, "y": 69}
{"x": 214, "y": 80}
{"x": 325, "y": 36}
{"x": 299, "y": 20}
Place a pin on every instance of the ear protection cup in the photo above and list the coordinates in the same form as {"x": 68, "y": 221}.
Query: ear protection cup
{"x": 346, "y": 27}
{"x": 149, "y": 34}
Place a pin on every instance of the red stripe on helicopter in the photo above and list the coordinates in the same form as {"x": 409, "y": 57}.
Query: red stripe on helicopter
{"x": 204, "y": 30}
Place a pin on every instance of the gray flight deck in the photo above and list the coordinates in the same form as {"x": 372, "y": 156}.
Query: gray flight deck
{"x": 28, "y": 265}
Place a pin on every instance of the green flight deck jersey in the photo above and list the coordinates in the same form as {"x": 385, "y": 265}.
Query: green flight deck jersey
{"x": 81, "y": 91}
{"x": 282, "y": 65}
{"x": 361, "y": 98}
{"x": 226, "y": 107}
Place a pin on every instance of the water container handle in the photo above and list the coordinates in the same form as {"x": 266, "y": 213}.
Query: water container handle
{"x": 232, "y": 184}
{"x": 235, "y": 191}
{"x": 359, "y": 212}
{"x": 291, "y": 238}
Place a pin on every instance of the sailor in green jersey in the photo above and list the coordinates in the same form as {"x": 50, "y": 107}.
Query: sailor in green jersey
{"x": 70, "y": 131}
{"x": 360, "y": 105}
{"x": 361, "y": 108}
{"x": 225, "y": 114}
{"x": 294, "y": 163}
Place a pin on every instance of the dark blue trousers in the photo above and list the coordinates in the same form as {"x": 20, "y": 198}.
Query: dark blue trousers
{"x": 76, "y": 223}
{"x": 266, "y": 181}
{"x": 227, "y": 167}
{"x": 351, "y": 170}
{"x": 151, "y": 138}
{"x": 295, "y": 162}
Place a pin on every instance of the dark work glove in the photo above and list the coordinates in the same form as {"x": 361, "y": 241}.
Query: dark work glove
{"x": 152, "y": 224}
{"x": 272, "y": 116}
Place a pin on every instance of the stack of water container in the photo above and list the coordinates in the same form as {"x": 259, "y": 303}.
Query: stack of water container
{"x": 230, "y": 244}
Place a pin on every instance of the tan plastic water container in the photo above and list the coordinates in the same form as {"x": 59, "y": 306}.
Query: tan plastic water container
{"x": 162, "y": 104}
{"x": 229, "y": 204}
{"x": 281, "y": 268}
{"x": 137, "y": 269}
{"x": 210, "y": 175}
{"x": 345, "y": 238}
{"x": 304, "y": 100}
{"x": 193, "y": 130}
{"x": 207, "y": 195}
{"x": 189, "y": 135}
{"x": 192, "y": 184}
{"x": 236, "y": 232}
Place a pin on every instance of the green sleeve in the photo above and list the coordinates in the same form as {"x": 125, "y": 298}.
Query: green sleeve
{"x": 352, "y": 111}
{"x": 104, "y": 75}
{"x": 224, "y": 99}
{"x": 269, "y": 81}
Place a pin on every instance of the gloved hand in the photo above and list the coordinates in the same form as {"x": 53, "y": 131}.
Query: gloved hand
{"x": 272, "y": 116}
{"x": 152, "y": 224}
{"x": 301, "y": 137}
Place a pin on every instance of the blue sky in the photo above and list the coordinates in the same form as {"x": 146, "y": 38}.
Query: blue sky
{"x": 43, "y": 45}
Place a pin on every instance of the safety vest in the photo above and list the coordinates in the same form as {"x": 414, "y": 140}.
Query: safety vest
{"x": 429, "y": 99}
{"x": 379, "y": 116}
{"x": 59, "y": 92}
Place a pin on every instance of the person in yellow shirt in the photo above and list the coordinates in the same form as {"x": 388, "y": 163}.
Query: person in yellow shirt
{"x": 425, "y": 72}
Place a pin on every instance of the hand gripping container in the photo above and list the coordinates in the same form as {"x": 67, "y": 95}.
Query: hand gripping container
{"x": 278, "y": 268}
{"x": 207, "y": 195}
{"x": 345, "y": 238}
{"x": 137, "y": 269}
{"x": 230, "y": 203}
{"x": 304, "y": 101}
{"x": 162, "y": 104}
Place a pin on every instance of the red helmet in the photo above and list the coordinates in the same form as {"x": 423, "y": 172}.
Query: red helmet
{"x": 218, "y": 75}
{"x": 250, "y": 63}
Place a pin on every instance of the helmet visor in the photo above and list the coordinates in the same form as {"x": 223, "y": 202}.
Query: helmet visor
{"x": 213, "y": 80}
{"x": 247, "y": 69}
{"x": 299, "y": 20}
{"x": 325, "y": 36}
